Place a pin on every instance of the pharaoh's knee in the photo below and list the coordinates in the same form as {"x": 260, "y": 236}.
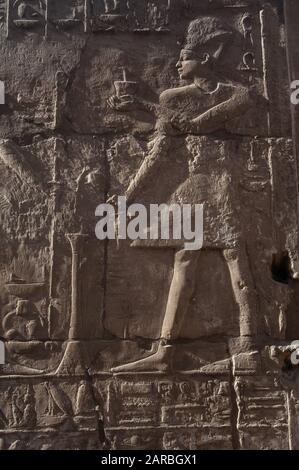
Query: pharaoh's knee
{"x": 242, "y": 286}
{"x": 185, "y": 257}
{"x": 231, "y": 255}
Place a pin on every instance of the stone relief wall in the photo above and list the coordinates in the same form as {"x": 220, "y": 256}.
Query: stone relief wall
{"x": 114, "y": 345}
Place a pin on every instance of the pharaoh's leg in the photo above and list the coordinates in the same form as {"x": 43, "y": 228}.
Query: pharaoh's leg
{"x": 244, "y": 290}
{"x": 181, "y": 290}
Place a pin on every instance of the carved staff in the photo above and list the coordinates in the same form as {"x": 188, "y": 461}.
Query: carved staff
{"x": 75, "y": 240}
{"x": 55, "y": 191}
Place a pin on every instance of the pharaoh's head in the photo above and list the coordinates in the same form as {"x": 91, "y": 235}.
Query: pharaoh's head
{"x": 206, "y": 43}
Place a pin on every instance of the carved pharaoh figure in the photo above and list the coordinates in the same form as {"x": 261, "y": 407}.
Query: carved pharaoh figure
{"x": 204, "y": 107}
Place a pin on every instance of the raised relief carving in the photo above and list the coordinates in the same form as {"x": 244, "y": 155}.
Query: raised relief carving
{"x": 2, "y": 10}
{"x": 27, "y": 15}
{"x": 131, "y": 15}
{"x": 153, "y": 17}
{"x": 110, "y": 15}
{"x": 73, "y": 359}
{"x": 247, "y": 28}
{"x": 67, "y": 15}
{"x": 121, "y": 345}
{"x": 249, "y": 61}
{"x": 59, "y": 98}
{"x": 23, "y": 414}
{"x": 204, "y": 107}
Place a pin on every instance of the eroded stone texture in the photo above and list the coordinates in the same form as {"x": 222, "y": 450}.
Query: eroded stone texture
{"x": 114, "y": 345}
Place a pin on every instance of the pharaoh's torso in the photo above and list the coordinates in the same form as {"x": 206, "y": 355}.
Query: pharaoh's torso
{"x": 211, "y": 180}
{"x": 192, "y": 101}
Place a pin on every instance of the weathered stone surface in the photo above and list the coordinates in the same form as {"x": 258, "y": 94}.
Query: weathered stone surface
{"x": 118, "y": 345}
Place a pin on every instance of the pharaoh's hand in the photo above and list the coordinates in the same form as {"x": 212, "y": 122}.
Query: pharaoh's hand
{"x": 122, "y": 103}
{"x": 182, "y": 123}
{"x": 164, "y": 127}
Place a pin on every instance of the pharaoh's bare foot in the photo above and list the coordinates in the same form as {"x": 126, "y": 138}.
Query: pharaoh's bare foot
{"x": 160, "y": 361}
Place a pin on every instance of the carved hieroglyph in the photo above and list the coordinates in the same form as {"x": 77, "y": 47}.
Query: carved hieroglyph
{"x": 144, "y": 345}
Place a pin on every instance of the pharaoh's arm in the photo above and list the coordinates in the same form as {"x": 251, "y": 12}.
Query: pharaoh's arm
{"x": 14, "y": 158}
{"x": 129, "y": 103}
{"x": 208, "y": 122}
{"x": 160, "y": 144}
{"x": 149, "y": 167}
{"x": 215, "y": 118}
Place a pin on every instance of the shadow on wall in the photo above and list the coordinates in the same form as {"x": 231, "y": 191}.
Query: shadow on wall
{"x": 282, "y": 273}
{"x": 292, "y": 331}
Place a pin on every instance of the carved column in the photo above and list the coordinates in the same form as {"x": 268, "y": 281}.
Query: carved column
{"x": 75, "y": 240}
{"x": 75, "y": 358}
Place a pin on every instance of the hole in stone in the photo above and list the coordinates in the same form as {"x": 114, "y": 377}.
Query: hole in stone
{"x": 280, "y": 267}
{"x": 287, "y": 363}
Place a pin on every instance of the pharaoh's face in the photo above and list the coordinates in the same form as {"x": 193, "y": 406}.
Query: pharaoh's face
{"x": 190, "y": 65}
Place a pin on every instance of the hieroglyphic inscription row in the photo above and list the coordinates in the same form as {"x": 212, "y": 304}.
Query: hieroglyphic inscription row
{"x": 47, "y": 16}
